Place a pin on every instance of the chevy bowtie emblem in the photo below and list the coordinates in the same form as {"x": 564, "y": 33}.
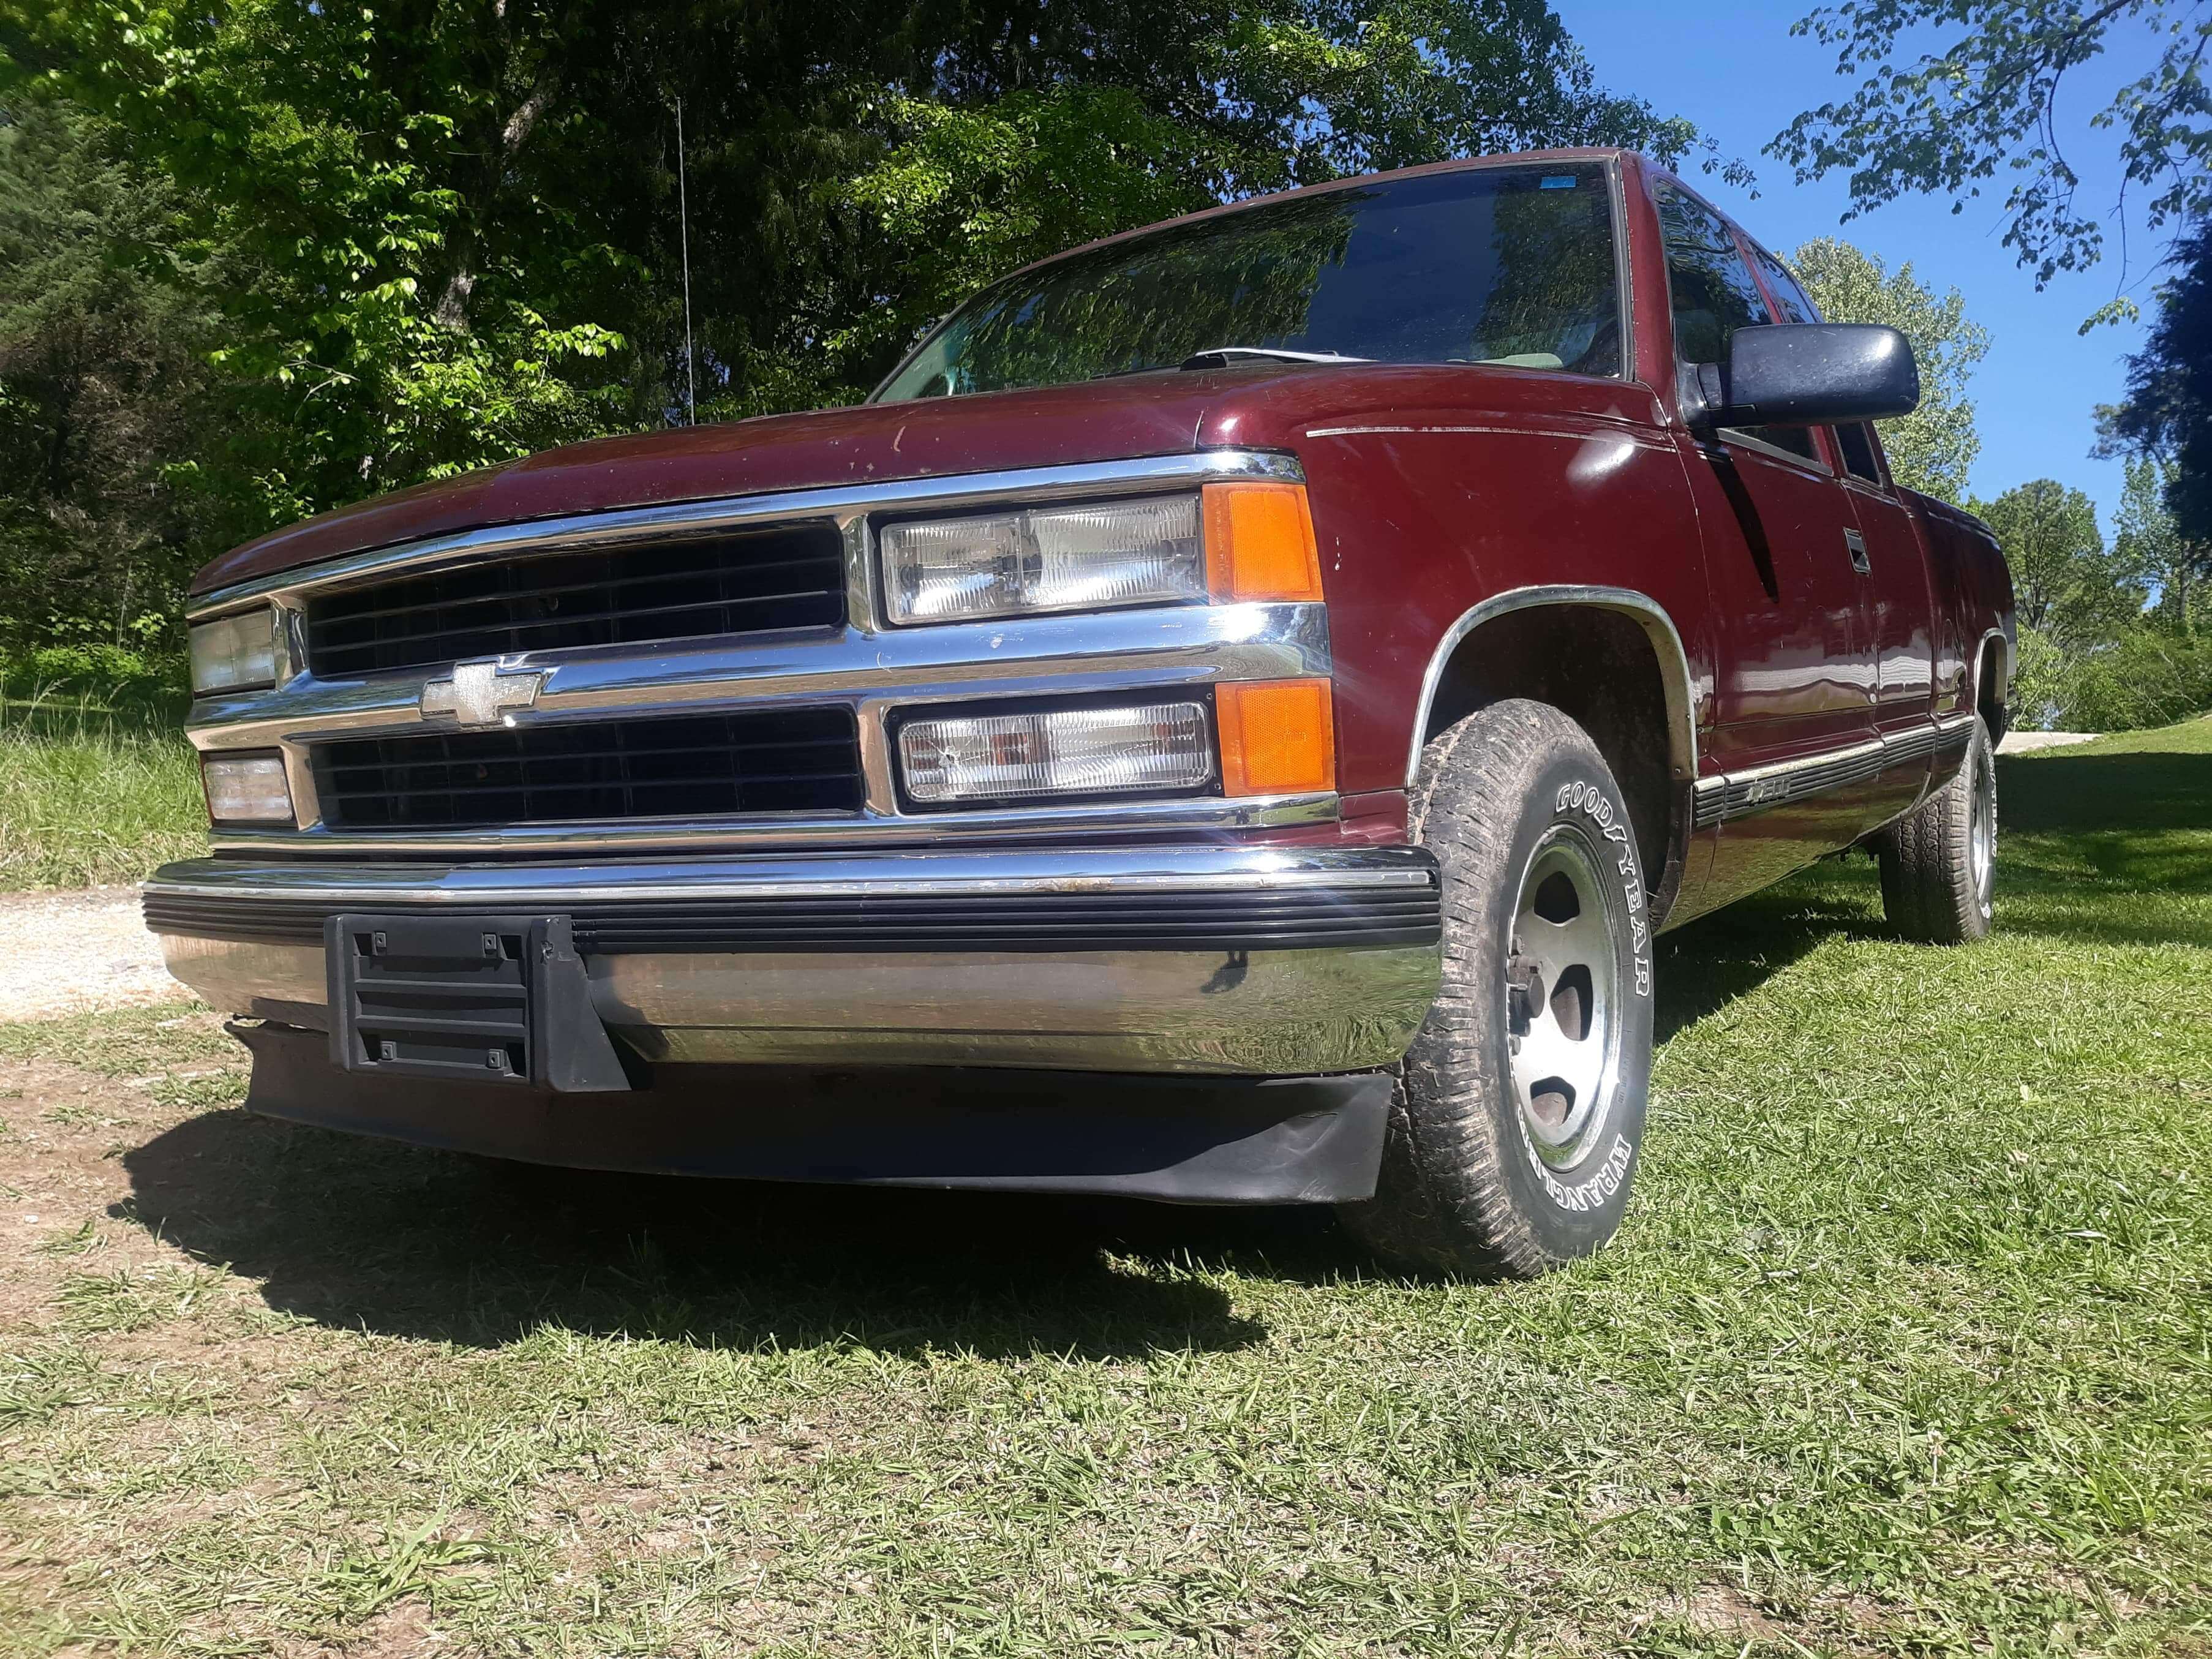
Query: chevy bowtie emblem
{"x": 479, "y": 694}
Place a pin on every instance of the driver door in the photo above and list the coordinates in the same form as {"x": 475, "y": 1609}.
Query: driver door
{"x": 1795, "y": 674}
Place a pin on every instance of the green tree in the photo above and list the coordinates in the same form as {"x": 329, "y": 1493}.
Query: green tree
{"x": 430, "y": 236}
{"x": 2167, "y": 412}
{"x": 2064, "y": 583}
{"x": 1933, "y": 448}
{"x": 104, "y": 388}
{"x": 2148, "y": 543}
{"x": 1984, "y": 107}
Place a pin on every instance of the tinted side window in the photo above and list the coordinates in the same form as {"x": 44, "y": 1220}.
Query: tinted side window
{"x": 1713, "y": 291}
{"x": 1714, "y": 294}
{"x": 1796, "y": 305}
{"x": 1857, "y": 446}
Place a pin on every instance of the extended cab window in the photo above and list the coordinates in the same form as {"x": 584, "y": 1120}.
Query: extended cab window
{"x": 1856, "y": 442}
{"x": 1510, "y": 265}
{"x": 1796, "y": 305}
{"x": 1714, "y": 294}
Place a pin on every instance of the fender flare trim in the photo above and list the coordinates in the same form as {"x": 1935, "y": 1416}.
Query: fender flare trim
{"x": 1639, "y": 608}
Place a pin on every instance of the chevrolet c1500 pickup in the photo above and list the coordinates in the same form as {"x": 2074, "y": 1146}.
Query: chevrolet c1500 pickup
{"x": 1223, "y": 722}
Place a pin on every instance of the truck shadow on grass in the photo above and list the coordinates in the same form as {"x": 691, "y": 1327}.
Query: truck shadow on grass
{"x": 366, "y": 1235}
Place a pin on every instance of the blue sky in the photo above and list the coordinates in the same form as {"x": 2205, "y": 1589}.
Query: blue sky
{"x": 1733, "y": 68}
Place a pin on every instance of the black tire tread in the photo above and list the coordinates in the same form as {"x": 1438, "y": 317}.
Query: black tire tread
{"x": 1927, "y": 862}
{"x": 1444, "y": 1201}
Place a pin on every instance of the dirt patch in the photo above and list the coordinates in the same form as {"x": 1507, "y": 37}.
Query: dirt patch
{"x": 62, "y": 953}
{"x": 61, "y": 1183}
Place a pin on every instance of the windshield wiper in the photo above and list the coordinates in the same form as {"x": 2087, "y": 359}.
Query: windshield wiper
{"x": 1224, "y": 356}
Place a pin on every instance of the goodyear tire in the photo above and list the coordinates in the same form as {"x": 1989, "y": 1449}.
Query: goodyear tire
{"x": 1939, "y": 863}
{"x": 1518, "y": 1113}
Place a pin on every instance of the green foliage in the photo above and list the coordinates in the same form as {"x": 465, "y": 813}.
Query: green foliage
{"x": 2167, "y": 412}
{"x": 113, "y": 675}
{"x": 1253, "y": 99}
{"x": 2064, "y": 582}
{"x": 388, "y": 242}
{"x": 2144, "y": 676}
{"x": 94, "y": 789}
{"x": 977, "y": 192}
{"x": 105, "y": 399}
{"x": 1932, "y": 449}
{"x": 2091, "y": 658}
{"x": 1984, "y": 106}
{"x": 2036, "y": 698}
{"x": 339, "y": 163}
{"x": 2148, "y": 545}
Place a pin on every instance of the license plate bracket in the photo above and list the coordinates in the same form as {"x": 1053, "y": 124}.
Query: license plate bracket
{"x": 502, "y": 999}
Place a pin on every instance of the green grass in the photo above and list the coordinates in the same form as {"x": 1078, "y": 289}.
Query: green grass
{"x": 1906, "y": 1348}
{"x": 90, "y": 794}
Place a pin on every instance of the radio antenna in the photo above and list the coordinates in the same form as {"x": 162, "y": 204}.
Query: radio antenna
{"x": 683, "y": 219}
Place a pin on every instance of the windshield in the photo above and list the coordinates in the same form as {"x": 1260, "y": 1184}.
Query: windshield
{"x": 1492, "y": 265}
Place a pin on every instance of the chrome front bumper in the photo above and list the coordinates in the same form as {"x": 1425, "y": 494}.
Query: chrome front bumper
{"x": 1256, "y": 962}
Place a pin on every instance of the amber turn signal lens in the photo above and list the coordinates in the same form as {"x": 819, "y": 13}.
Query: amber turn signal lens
{"x": 1277, "y": 736}
{"x": 1259, "y": 542}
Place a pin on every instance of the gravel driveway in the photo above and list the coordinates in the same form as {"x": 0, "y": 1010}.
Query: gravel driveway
{"x": 2024, "y": 742}
{"x": 62, "y": 952}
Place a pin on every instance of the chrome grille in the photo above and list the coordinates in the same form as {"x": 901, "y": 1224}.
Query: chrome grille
{"x": 793, "y": 576}
{"x": 693, "y": 766}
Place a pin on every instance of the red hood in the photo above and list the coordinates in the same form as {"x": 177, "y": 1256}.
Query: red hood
{"x": 1110, "y": 420}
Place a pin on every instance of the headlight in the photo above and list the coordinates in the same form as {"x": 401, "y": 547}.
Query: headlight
{"x": 247, "y": 789}
{"x": 1237, "y": 540}
{"x": 1062, "y": 751}
{"x": 1091, "y": 557}
{"x": 236, "y": 652}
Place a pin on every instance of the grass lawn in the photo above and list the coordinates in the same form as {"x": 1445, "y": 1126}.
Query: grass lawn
{"x": 91, "y": 794}
{"x": 1906, "y": 1348}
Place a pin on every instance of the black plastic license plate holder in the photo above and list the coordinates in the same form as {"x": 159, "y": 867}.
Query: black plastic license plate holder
{"x": 497, "y": 999}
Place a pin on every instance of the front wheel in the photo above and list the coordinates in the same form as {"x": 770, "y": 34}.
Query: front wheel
{"x": 1939, "y": 862}
{"x": 1519, "y": 1109}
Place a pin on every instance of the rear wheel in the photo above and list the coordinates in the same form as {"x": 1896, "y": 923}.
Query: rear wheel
{"x": 1519, "y": 1109}
{"x": 1939, "y": 864}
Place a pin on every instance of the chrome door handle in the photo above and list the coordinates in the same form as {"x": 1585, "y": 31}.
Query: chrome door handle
{"x": 1856, "y": 544}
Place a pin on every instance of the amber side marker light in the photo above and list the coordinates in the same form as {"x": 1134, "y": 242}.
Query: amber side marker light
{"x": 1277, "y": 736}
{"x": 1259, "y": 542}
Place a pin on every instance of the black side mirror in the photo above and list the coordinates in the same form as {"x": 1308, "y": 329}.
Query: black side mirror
{"x": 1808, "y": 374}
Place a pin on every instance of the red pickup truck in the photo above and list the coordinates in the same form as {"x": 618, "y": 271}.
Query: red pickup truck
{"x": 1223, "y": 722}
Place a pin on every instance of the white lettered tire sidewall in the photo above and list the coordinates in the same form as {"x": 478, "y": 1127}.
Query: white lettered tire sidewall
{"x": 1576, "y": 1210}
{"x": 1462, "y": 1186}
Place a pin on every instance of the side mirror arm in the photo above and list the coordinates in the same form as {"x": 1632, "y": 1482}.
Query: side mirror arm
{"x": 1702, "y": 390}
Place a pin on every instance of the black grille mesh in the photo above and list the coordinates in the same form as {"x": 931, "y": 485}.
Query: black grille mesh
{"x": 791, "y": 577}
{"x": 690, "y": 766}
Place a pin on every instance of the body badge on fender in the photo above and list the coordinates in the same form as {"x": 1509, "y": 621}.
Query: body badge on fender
{"x": 480, "y": 694}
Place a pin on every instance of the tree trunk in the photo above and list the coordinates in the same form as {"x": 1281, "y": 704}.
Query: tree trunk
{"x": 452, "y": 308}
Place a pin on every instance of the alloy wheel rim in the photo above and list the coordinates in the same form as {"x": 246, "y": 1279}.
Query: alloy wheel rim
{"x": 1562, "y": 1001}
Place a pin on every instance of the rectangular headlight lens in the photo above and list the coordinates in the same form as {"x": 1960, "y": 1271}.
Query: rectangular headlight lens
{"x": 1091, "y": 557}
{"x": 235, "y": 653}
{"x": 247, "y": 788}
{"x": 1062, "y": 751}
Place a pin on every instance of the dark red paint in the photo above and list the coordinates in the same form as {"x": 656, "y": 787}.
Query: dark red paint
{"x": 1432, "y": 488}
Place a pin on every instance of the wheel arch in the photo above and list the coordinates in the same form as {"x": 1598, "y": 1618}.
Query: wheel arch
{"x": 1992, "y": 684}
{"x": 1508, "y": 645}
